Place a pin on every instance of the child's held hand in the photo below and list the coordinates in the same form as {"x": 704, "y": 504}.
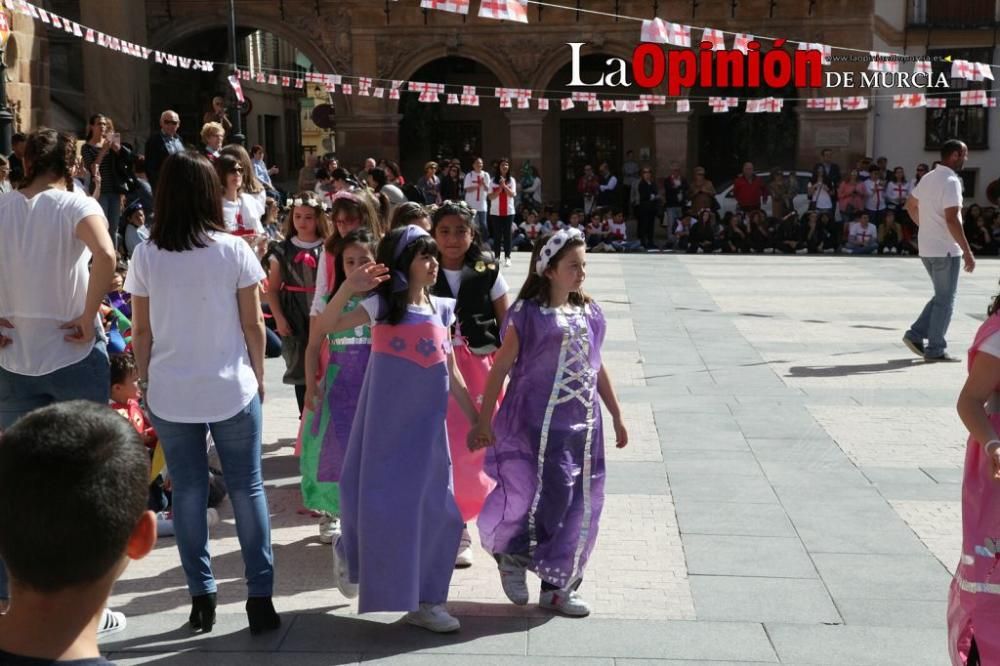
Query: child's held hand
{"x": 480, "y": 437}
{"x": 621, "y": 434}
{"x": 367, "y": 277}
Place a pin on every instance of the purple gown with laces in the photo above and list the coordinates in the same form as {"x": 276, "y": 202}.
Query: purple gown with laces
{"x": 548, "y": 459}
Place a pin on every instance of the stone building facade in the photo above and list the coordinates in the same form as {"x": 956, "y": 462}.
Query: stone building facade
{"x": 399, "y": 41}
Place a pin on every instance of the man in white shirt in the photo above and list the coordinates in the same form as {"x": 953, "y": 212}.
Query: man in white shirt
{"x": 477, "y": 190}
{"x": 935, "y": 205}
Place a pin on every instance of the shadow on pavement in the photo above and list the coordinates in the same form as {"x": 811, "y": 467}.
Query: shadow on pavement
{"x": 851, "y": 370}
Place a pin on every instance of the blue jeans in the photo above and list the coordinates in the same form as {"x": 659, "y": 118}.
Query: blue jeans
{"x": 88, "y": 379}
{"x": 484, "y": 229}
{"x": 111, "y": 204}
{"x": 932, "y": 324}
{"x": 237, "y": 440}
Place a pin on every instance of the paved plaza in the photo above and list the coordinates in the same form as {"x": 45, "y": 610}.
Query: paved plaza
{"x": 790, "y": 494}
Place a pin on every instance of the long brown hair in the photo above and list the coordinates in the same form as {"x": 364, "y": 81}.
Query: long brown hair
{"x": 359, "y": 204}
{"x": 995, "y": 307}
{"x": 539, "y": 287}
{"x": 251, "y": 184}
{"x": 49, "y": 153}
{"x": 188, "y": 203}
{"x": 311, "y": 200}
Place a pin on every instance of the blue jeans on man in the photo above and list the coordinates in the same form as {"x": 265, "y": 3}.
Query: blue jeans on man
{"x": 88, "y": 379}
{"x": 237, "y": 439}
{"x": 484, "y": 228}
{"x": 932, "y": 324}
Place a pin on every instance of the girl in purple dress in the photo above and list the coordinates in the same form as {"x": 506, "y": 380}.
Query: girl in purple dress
{"x": 547, "y": 442}
{"x": 400, "y": 526}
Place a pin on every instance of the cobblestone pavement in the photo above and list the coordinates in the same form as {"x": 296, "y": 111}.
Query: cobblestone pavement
{"x": 790, "y": 493}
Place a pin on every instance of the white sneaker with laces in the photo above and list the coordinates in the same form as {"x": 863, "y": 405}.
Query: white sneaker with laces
{"x": 340, "y": 575}
{"x": 506, "y": 263}
{"x": 433, "y": 617}
{"x": 464, "y": 558}
{"x": 567, "y": 602}
{"x": 513, "y": 579}
{"x": 111, "y": 623}
{"x": 329, "y": 527}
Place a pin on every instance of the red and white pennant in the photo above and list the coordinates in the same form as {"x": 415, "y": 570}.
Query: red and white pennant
{"x": 505, "y": 10}
{"x": 455, "y": 6}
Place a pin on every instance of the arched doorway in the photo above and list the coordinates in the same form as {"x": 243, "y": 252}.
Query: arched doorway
{"x": 577, "y": 137}
{"x": 275, "y": 116}
{"x": 722, "y": 142}
{"x": 442, "y": 131}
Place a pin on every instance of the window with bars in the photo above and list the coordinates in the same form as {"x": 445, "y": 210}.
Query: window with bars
{"x": 967, "y": 123}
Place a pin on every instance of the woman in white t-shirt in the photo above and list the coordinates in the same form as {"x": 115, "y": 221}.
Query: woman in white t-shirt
{"x": 52, "y": 345}
{"x": 192, "y": 271}
{"x": 503, "y": 194}
{"x": 241, "y": 211}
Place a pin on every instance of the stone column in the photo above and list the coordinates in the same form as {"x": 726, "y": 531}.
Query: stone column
{"x": 526, "y": 137}
{"x": 115, "y": 83}
{"x": 363, "y": 135}
{"x": 670, "y": 134}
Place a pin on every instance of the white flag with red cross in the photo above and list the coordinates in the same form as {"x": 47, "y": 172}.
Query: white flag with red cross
{"x": 454, "y": 6}
{"x": 741, "y": 42}
{"x": 504, "y": 10}
{"x": 855, "y": 103}
{"x": 683, "y": 105}
{"x": 542, "y": 103}
{"x": 566, "y": 104}
{"x": 715, "y": 38}
{"x": 234, "y": 81}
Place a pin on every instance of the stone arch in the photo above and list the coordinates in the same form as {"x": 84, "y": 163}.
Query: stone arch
{"x": 432, "y": 52}
{"x": 184, "y": 27}
{"x": 559, "y": 57}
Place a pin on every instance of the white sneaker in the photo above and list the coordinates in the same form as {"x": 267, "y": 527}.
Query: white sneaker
{"x": 4, "y": 606}
{"x": 894, "y": 250}
{"x": 506, "y": 264}
{"x": 164, "y": 524}
{"x": 340, "y": 574}
{"x": 111, "y": 623}
{"x": 433, "y": 617}
{"x": 768, "y": 250}
{"x": 464, "y": 558}
{"x": 801, "y": 250}
{"x": 566, "y": 602}
{"x": 829, "y": 250}
{"x": 513, "y": 579}
{"x": 213, "y": 517}
{"x": 329, "y": 527}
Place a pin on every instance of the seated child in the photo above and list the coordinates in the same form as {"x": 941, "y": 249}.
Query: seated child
{"x": 555, "y": 224}
{"x": 136, "y": 230}
{"x": 596, "y": 231}
{"x": 71, "y": 454}
{"x": 116, "y": 313}
{"x": 618, "y": 234}
{"x": 530, "y": 231}
{"x": 576, "y": 221}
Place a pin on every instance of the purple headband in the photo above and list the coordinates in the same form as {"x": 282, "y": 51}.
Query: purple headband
{"x": 410, "y": 233}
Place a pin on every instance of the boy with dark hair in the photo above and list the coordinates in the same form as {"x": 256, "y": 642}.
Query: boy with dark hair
{"x": 77, "y": 470}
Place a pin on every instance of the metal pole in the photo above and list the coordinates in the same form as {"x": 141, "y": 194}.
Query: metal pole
{"x": 6, "y": 117}
{"x": 237, "y": 136}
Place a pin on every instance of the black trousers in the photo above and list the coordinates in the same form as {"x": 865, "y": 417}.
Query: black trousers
{"x": 500, "y": 233}
{"x": 647, "y": 225}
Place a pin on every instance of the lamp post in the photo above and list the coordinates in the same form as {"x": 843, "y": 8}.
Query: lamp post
{"x": 6, "y": 117}
{"x": 237, "y": 136}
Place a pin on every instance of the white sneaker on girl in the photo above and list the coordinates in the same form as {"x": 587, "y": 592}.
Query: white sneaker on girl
{"x": 433, "y": 617}
{"x": 111, "y": 623}
{"x": 464, "y": 558}
{"x": 340, "y": 574}
{"x": 513, "y": 578}
{"x": 566, "y": 602}
{"x": 329, "y": 527}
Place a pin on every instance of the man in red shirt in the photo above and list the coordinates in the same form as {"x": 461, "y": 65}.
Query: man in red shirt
{"x": 749, "y": 190}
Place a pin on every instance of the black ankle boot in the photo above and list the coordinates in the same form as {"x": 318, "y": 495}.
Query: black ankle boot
{"x": 202, "y": 612}
{"x": 262, "y": 616}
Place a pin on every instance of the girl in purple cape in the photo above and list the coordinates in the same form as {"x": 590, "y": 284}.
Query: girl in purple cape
{"x": 400, "y": 526}
{"x": 547, "y": 441}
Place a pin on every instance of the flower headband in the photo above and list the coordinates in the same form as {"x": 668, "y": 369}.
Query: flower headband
{"x": 552, "y": 246}
{"x": 344, "y": 194}
{"x": 410, "y": 233}
{"x": 309, "y": 201}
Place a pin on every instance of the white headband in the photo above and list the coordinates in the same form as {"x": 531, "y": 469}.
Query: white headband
{"x": 552, "y": 246}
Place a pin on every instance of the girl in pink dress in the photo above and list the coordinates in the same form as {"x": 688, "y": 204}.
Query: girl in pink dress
{"x": 474, "y": 280}
{"x": 974, "y": 597}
